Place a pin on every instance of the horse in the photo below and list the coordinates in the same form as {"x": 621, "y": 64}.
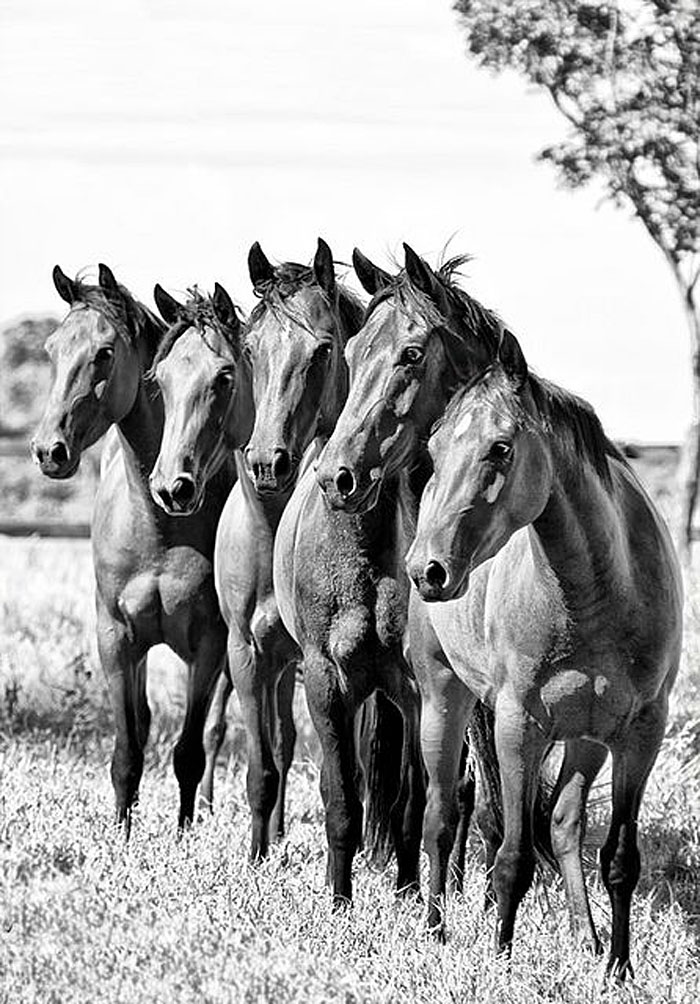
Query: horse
{"x": 342, "y": 595}
{"x": 153, "y": 572}
{"x": 204, "y": 377}
{"x": 423, "y": 337}
{"x": 295, "y": 339}
{"x": 555, "y": 591}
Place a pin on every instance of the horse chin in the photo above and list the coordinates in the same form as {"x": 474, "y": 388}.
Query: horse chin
{"x": 63, "y": 473}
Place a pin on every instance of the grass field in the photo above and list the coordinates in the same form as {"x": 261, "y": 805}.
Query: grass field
{"x": 84, "y": 917}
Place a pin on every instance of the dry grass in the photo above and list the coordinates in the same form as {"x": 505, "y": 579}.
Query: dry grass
{"x": 85, "y": 917}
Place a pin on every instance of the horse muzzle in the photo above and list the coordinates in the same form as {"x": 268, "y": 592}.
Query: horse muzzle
{"x": 54, "y": 457}
{"x": 177, "y": 497}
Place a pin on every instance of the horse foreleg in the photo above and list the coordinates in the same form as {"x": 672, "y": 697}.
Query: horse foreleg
{"x": 262, "y": 778}
{"x": 214, "y": 734}
{"x": 520, "y": 746}
{"x": 189, "y": 756}
{"x": 466, "y": 797}
{"x": 285, "y": 734}
{"x": 582, "y": 761}
{"x": 619, "y": 856}
{"x": 333, "y": 720}
{"x": 124, "y": 665}
{"x": 409, "y": 808}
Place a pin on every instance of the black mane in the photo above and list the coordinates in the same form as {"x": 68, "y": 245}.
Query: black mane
{"x": 198, "y": 312}
{"x": 289, "y": 278}
{"x": 122, "y": 310}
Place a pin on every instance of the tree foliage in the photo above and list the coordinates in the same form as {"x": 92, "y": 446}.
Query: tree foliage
{"x": 627, "y": 78}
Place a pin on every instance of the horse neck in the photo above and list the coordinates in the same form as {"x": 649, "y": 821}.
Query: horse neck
{"x": 241, "y": 415}
{"x": 579, "y": 532}
{"x": 141, "y": 429}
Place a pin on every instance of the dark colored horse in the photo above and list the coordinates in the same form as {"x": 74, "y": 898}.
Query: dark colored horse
{"x": 295, "y": 340}
{"x": 342, "y": 594}
{"x": 422, "y": 338}
{"x": 154, "y": 572}
{"x": 566, "y": 616}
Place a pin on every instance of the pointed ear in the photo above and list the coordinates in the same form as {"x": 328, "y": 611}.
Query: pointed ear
{"x": 511, "y": 357}
{"x": 224, "y": 308}
{"x": 324, "y": 272}
{"x": 420, "y": 273}
{"x": 106, "y": 279}
{"x": 260, "y": 269}
{"x": 372, "y": 278}
{"x": 65, "y": 287}
{"x": 167, "y": 305}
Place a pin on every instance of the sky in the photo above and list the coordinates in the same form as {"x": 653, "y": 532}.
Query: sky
{"x": 163, "y": 137}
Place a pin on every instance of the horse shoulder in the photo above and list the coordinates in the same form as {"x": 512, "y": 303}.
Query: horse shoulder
{"x": 284, "y": 563}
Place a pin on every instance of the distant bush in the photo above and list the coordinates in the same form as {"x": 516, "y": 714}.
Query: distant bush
{"x": 25, "y": 373}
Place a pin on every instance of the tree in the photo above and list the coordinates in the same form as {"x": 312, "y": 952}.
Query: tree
{"x": 626, "y": 77}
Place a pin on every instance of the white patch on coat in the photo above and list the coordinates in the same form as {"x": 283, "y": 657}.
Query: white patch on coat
{"x": 100, "y": 389}
{"x": 463, "y": 426}
{"x": 494, "y": 489}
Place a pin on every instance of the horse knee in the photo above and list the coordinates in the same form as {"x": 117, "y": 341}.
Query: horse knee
{"x": 565, "y": 832}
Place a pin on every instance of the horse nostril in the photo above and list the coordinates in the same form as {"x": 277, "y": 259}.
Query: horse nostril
{"x": 436, "y": 575}
{"x": 345, "y": 482}
{"x": 182, "y": 491}
{"x": 282, "y": 464}
{"x": 58, "y": 453}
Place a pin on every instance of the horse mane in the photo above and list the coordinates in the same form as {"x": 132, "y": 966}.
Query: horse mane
{"x": 289, "y": 278}
{"x": 568, "y": 418}
{"x": 564, "y": 413}
{"x": 198, "y": 312}
{"x": 122, "y": 310}
{"x": 474, "y": 331}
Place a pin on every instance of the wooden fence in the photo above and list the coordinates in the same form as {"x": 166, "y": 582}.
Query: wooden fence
{"x": 642, "y": 456}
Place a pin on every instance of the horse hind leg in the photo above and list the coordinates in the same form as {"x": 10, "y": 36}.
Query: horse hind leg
{"x": 214, "y": 735}
{"x": 582, "y": 762}
{"x": 189, "y": 757}
{"x": 125, "y": 668}
{"x": 285, "y": 734}
{"x": 619, "y": 856}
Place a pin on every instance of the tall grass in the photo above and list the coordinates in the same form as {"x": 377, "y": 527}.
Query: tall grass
{"x": 86, "y": 917}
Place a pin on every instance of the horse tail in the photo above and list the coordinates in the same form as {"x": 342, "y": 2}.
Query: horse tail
{"x": 482, "y": 741}
{"x": 381, "y": 753}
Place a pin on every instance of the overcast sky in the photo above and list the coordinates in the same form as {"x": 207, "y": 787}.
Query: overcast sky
{"x": 164, "y": 136}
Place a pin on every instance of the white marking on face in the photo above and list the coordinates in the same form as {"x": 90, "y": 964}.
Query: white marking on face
{"x": 100, "y": 389}
{"x": 463, "y": 426}
{"x": 494, "y": 489}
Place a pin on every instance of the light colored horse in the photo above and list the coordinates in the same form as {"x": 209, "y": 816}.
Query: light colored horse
{"x": 153, "y": 572}
{"x": 204, "y": 375}
{"x": 295, "y": 340}
{"x": 560, "y": 607}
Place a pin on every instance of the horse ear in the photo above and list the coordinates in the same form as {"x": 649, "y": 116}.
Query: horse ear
{"x": 106, "y": 279}
{"x": 419, "y": 272}
{"x": 260, "y": 269}
{"x": 65, "y": 287}
{"x": 324, "y": 272}
{"x": 372, "y": 278}
{"x": 511, "y": 357}
{"x": 167, "y": 305}
{"x": 224, "y": 308}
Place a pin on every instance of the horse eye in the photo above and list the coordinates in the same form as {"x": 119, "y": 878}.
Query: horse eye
{"x": 324, "y": 350}
{"x": 104, "y": 355}
{"x": 224, "y": 378}
{"x": 412, "y": 356}
{"x": 500, "y": 451}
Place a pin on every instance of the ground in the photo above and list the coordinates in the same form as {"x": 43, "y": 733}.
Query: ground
{"x": 86, "y": 917}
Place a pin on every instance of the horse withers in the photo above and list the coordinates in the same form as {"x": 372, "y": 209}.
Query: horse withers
{"x": 555, "y": 591}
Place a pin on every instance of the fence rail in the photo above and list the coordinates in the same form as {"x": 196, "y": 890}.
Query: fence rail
{"x": 17, "y": 445}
